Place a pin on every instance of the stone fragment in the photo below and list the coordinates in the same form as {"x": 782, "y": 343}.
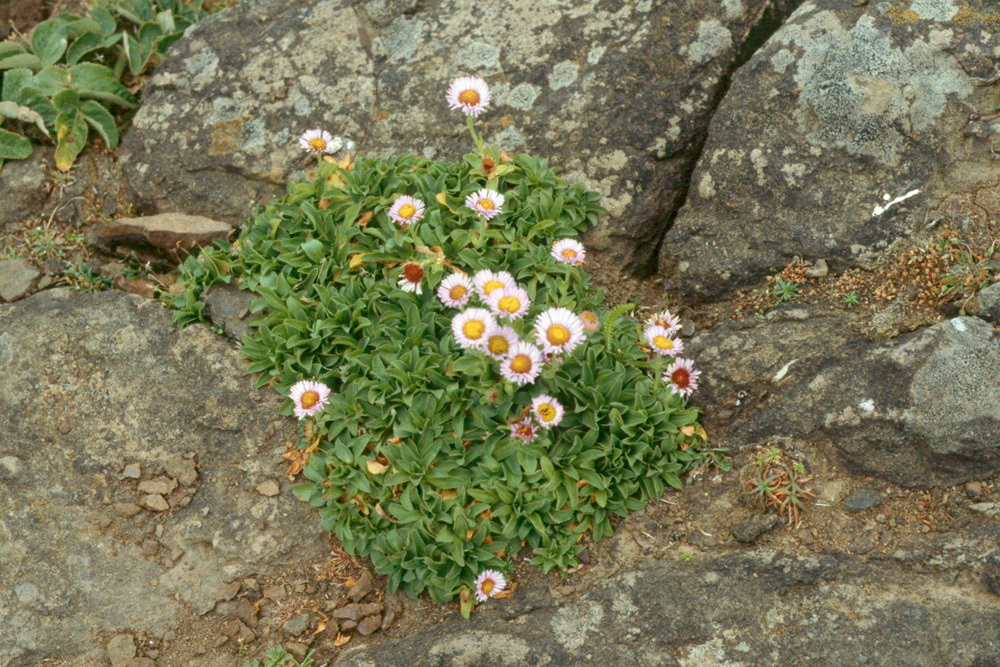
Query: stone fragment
{"x": 165, "y": 231}
{"x": 159, "y": 485}
{"x": 989, "y": 509}
{"x": 362, "y": 586}
{"x": 297, "y": 649}
{"x": 370, "y": 624}
{"x": 228, "y": 592}
{"x": 121, "y": 649}
{"x": 17, "y": 277}
{"x": 132, "y": 471}
{"x": 989, "y": 303}
{"x": 297, "y": 625}
{"x": 269, "y": 488}
{"x": 126, "y": 509}
{"x": 819, "y": 269}
{"x": 139, "y": 286}
{"x": 861, "y": 500}
{"x": 183, "y": 470}
{"x": 155, "y": 502}
{"x": 247, "y": 612}
{"x": 139, "y": 662}
{"x": 351, "y": 612}
{"x": 754, "y": 527}
{"x": 238, "y": 632}
{"x": 228, "y": 308}
{"x": 389, "y": 618}
{"x": 22, "y": 183}
{"x": 274, "y": 592}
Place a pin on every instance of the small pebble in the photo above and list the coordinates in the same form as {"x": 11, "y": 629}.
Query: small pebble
{"x": 861, "y": 500}
{"x": 132, "y": 471}
{"x": 155, "y": 503}
{"x": 269, "y": 488}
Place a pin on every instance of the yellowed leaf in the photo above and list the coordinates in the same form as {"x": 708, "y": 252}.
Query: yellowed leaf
{"x": 688, "y": 430}
{"x": 341, "y": 639}
{"x": 702, "y": 434}
{"x": 376, "y": 468}
{"x": 394, "y": 440}
{"x": 357, "y": 260}
{"x": 448, "y": 494}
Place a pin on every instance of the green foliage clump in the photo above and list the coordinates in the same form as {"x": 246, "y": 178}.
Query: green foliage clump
{"x": 66, "y": 80}
{"x": 412, "y": 462}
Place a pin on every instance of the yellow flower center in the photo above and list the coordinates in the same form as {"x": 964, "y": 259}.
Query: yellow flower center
{"x": 569, "y": 253}
{"x": 457, "y": 292}
{"x": 663, "y": 343}
{"x": 491, "y": 285}
{"x": 469, "y": 97}
{"x": 486, "y": 204}
{"x": 498, "y": 345}
{"x": 546, "y": 412}
{"x": 488, "y": 586}
{"x": 317, "y": 144}
{"x": 557, "y": 334}
{"x": 309, "y": 399}
{"x": 474, "y": 329}
{"x": 509, "y": 304}
{"x": 521, "y": 363}
{"x": 407, "y": 211}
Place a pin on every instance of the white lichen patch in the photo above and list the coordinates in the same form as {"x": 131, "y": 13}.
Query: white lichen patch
{"x": 573, "y": 624}
{"x": 479, "y": 55}
{"x": 794, "y": 173}
{"x": 595, "y": 54}
{"x": 713, "y": 40}
{"x": 521, "y": 96}
{"x": 475, "y": 648}
{"x": 710, "y": 654}
{"x": 563, "y": 74}
{"x": 734, "y": 9}
{"x": 934, "y": 10}
{"x": 781, "y": 60}
{"x": 759, "y": 163}
{"x": 706, "y": 188}
{"x": 867, "y": 406}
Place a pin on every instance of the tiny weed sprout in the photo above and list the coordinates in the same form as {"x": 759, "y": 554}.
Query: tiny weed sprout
{"x": 483, "y": 402}
{"x": 775, "y": 480}
{"x": 851, "y": 299}
{"x": 785, "y": 290}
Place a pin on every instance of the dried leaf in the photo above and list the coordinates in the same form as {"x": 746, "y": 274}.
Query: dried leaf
{"x": 357, "y": 260}
{"x": 505, "y": 156}
{"x": 376, "y": 468}
{"x": 394, "y": 440}
{"x": 448, "y": 494}
{"x": 365, "y": 219}
{"x": 688, "y": 430}
{"x": 341, "y": 639}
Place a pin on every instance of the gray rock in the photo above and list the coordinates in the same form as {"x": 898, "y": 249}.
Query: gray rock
{"x": 362, "y": 587}
{"x": 97, "y": 353}
{"x": 166, "y": 231}
{"x": 220, "y": 120}
{"x": 228, "y": 308}
{"x": 160, "y": 485}
{"x": 154, "y": 502}
{"x": 989, "y": 302}
{"x": 862, "y": 500}
{"x": 132, "y": 471}
{"x": 841, "y": 106}
{"x": 749, "y": 530}
{"x": 369, "y": 624}
{"x": 23, "y": 183}
{"x": 17, "y": 277}
{"x": 297, "y": 625}
{"x": 183, "y": 470}
{"x": 675, "y": 613}
{"x": 121, "y": 649}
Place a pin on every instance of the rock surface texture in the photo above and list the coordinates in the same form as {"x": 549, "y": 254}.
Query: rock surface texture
{"x": 752, "y": 608}
{"x": 617, "y": 94}
{"x": 843, "y": 105}
{"x": 131, "y": 452}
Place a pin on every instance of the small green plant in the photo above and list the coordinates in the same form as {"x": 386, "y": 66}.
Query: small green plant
{"x": 851, "y": 299}
{"x": 434, "y": 455}
{"x": 968, "y": 271}
{"x": 785, "y": 290}
{"x": 279, "y": 657}
{"x": 83, "y": 278}
{"x": 63, "y": 84}
{"x": 775, "y": 480}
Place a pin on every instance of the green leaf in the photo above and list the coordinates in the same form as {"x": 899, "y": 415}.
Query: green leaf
{"x": 48, "y": 41}
{"x": 94, "y": 81}
{"x": 23, "y": 114}
{"x": 101, "y": 120}
{"x": 67, "y": 103}
{"x": 13, "y": 146}
{"x": 86, "y": 43}
{"x": 13, "y": 82}
{"x": 71, "y": 137}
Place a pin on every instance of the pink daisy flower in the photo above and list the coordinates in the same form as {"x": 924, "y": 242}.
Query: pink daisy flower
{"x": 509, "y": 302}
{"x": 499, "y": 341}
{"x": 472, "y": 327}
{"x": 522, "y": 364}
{"x": 525, "y": 429}
{"x": 681, "y": 377}
{"x": 547, "y": 410}
{"x": 486, "y": 203}
{"x": 569, "y": 251}
{"x": 470, "y": 94}
{"x": 406, "y": 210}
{"x": 558, "y": 330}
{"x": 486, "y": 281}
{"x": 665, "y": 319}
{"x": 488, "y": 584}
{"x": 412, "y": 275}
{"x": 589, "y": 321}
{"x": 455, "y": 290}
{"x": 319, "y": 141}
{"x": 661, "y": 342}
{"x": 309, "y": 397}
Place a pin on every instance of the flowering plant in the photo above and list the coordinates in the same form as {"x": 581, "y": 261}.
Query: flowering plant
{"x": 483, "y": 400}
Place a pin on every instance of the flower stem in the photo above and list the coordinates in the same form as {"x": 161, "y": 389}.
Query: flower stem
{"x": 475, "y": 137}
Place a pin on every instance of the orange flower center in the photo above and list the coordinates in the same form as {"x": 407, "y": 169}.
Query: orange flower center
{"x": 681, "y": 378}
{"x": 486, "y": 204}
{"x": 509, "y": 304}
{"x": 309, "y": 399}
{"x": 413, "y": 273}
{"x": 317, "y": 144}
{"x": 474, "y": 329}
{"x": 557, "y": 334}
{"x": 469, "y": 97}
{"x": 521, "y": 363}
{"x": 491, "y": 285}
{"x": 546, "y": 412}
{"x": 569, "y": 253}
{"x": 457, "y": 292}
{"x": 407, "y": 211}
{"x": 663, "y": 343}
{"x": 498, "y": 345}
